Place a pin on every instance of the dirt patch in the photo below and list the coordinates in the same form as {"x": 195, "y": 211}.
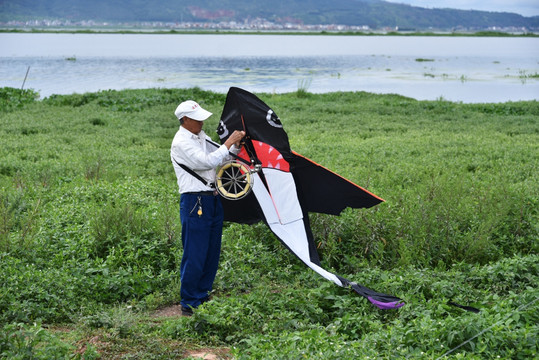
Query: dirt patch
{"x": 210, "y": 354}
{"x": 95, "y": 341}
{"x": 169, "y": 311}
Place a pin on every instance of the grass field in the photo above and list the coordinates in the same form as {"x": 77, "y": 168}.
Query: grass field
{"x": 90, "y": 234}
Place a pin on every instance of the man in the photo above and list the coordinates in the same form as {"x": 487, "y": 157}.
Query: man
{"x": 201, "y": 211}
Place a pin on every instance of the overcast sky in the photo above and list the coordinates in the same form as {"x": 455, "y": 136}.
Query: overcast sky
{"x": 522, "y": 7}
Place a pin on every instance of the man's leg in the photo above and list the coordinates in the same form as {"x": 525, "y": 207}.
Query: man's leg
{"x": 214, "y": 247}
{"x": 196, "y": 232}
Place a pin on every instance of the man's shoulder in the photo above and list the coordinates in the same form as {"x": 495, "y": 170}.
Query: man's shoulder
{"x": 182, "y": 135}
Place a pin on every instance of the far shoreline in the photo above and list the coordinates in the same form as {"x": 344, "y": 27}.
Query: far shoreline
{"x": 262, "y": 32}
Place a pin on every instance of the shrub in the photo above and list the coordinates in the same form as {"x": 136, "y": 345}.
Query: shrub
{"x": 11, "y": 98}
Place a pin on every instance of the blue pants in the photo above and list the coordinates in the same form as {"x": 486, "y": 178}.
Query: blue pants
{"x": 201, "y": 240}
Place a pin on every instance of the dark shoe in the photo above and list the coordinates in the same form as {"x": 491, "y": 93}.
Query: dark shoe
{"x": 187, "y": 311}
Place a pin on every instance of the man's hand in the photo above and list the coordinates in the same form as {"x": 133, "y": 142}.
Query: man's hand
{"x": 235, "y": 139}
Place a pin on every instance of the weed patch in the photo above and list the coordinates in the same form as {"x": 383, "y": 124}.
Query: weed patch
{"x": 90, "y": 234}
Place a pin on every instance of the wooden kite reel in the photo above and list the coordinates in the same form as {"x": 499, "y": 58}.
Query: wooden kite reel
{"x": 234, "y": 180}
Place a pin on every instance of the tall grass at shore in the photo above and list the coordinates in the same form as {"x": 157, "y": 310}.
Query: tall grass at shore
{"x": 89, "y": 230}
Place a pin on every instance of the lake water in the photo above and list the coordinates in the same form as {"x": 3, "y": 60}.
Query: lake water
{"x": 464, "y": 69}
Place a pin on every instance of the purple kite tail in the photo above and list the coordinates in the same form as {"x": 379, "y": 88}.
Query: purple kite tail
{"x": 380, "y": 300}
{"x": 386, "y": 305}
{"x": 385, "y": 301}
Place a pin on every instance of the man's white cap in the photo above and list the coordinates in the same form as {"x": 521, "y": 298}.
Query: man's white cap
{"x": 192, "y": 110}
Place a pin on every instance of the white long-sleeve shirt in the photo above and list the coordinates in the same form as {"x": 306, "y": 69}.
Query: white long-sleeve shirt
{"x": 197, "y": 154}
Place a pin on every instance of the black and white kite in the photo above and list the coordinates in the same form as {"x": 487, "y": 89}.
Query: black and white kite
{"x": 269, "y": 182}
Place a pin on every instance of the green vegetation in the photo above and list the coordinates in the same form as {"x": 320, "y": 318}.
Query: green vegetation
{"x": 90, "y": 236}
{"x": 269, "y": 32}
{"x": 524, "y": 75}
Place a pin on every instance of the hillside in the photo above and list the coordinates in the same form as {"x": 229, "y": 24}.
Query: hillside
{"x": 372, "y": 13}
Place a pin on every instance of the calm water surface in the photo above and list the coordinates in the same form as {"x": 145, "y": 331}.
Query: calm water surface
{"x": 454, "y": 68}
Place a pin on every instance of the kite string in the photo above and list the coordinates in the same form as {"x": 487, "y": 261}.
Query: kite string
{"x": 520, "y": 308}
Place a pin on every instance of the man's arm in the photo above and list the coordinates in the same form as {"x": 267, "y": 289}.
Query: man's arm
{"x": 234, "y": 139}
